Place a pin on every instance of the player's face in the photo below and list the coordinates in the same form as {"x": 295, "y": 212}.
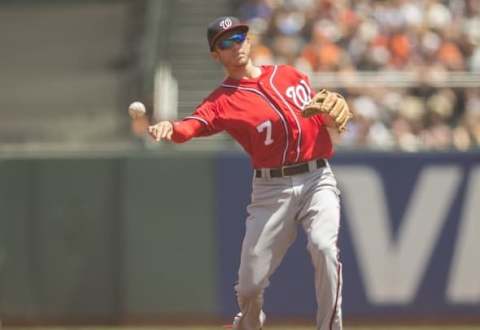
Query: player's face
{"x": 232, "y": 49}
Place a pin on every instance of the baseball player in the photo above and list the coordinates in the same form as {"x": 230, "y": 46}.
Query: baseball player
{"x": 283, "y": 125}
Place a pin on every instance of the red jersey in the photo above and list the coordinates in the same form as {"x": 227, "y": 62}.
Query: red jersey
{"x": 263, "y": 115}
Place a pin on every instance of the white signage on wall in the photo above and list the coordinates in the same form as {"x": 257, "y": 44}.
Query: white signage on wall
{"x": 392, "y": 268}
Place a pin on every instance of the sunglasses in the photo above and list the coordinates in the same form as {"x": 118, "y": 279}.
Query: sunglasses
{"x": 228, "y": 43}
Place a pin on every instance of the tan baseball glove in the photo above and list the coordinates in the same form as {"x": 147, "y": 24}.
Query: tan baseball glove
{"x": 332, "y": 104}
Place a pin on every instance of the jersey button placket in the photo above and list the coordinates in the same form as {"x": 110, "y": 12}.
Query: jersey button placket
{"x": 261, "y": 87}
{"x": 292, "y": 130}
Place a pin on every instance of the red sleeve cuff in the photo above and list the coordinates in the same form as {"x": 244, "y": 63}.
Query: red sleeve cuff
{"x": 186, "y": 129}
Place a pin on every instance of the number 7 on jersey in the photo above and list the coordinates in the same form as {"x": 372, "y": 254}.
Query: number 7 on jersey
{"x": 266, "y": 125}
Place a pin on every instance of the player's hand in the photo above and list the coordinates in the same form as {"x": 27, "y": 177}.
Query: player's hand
{"x": 161, "y": 131}
{"x": 340, "y": 112}
{"x": 332, "y": 106}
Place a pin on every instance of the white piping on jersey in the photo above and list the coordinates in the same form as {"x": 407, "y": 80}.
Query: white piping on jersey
{"x": 284, "y": 122}
{"x": 198, "y": 118}
{"x": 291, "y": 111}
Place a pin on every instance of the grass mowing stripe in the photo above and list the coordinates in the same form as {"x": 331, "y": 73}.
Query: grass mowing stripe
{"x": 266, "y": 328}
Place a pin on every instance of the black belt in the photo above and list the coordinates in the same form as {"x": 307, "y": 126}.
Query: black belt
{"x": 290, "y": 170}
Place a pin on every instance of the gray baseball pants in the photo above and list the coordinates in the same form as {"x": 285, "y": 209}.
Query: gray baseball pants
{"x": 278, "y": 206}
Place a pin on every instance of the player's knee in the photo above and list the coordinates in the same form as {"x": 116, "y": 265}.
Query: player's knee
{"x": 324, "y": 247}
{"x": 249, "y": 291}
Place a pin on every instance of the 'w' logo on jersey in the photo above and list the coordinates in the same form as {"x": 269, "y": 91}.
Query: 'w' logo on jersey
{"x": 226, "y": 23}
{"x": 300, "y": 94}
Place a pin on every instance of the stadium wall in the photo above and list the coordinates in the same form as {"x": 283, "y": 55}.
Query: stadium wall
{"x": 408, "y": 239}
{"x": 154, "y": 237}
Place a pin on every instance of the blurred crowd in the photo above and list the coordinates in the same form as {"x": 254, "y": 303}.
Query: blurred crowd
{"x": 378, "y": 35}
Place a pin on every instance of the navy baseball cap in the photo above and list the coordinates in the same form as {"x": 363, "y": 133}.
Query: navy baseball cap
{"x": 222, "y": 25}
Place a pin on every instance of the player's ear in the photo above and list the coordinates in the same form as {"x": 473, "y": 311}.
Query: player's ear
{"x": 214, "y": 55}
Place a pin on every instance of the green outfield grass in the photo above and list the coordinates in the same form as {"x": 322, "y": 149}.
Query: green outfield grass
{"x": 266, "y": 328}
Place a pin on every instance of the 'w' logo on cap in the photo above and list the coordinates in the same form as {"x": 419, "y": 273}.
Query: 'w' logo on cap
{"x": 226, "y": 23}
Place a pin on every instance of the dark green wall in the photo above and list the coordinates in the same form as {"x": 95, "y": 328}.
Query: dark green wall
{"x": 106, "y": 238}
{"x": 169, "y": 236}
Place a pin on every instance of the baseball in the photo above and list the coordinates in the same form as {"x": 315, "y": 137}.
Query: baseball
{"x": 136, "y": 110}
